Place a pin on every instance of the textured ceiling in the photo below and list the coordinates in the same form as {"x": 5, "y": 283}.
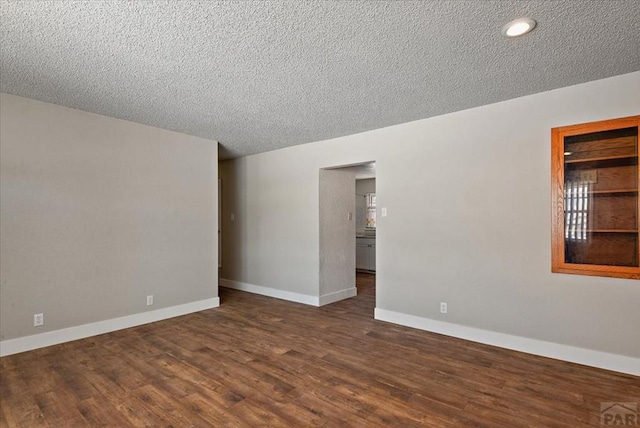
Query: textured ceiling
{"x": 259, "y": 75}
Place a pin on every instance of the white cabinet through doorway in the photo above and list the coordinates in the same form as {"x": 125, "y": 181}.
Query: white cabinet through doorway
{"x": 366, "y": 254}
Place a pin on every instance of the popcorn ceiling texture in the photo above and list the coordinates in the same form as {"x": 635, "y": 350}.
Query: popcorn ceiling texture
{"x": 258, "y": 75}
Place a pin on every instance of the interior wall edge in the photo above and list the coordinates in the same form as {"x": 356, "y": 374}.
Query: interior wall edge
{"x": 336, "y": 296}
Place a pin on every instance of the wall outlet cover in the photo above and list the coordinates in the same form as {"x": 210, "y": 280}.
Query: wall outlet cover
{"x": 38, "y": 320}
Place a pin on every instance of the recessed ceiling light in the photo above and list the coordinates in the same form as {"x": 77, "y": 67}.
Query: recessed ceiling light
{"x": 518, "y": 27}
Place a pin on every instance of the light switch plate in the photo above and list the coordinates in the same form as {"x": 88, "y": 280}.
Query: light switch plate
{"x": 383, "y": 212}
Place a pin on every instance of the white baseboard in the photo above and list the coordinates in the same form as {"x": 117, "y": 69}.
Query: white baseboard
{"x": 587, "y": 357}
{"x": 270, "y": 292}
{"x": 289, "y": 295}
{"x": 28, "y": 343}
{"x": 338, "y": 295}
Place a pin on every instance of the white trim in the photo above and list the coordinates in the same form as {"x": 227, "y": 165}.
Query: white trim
{"x": 28, "y": 343}
{"x": 338, "y": 295}
{"x": 588, "y": 357}
{"x": 271, "y": 292}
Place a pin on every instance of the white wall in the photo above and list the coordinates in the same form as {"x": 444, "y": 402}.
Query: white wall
{"x": 337, "y": 234}
{"x": 366, "y": 185}
{"x": 481, "y": 179}
{"x": 98, "y": 213}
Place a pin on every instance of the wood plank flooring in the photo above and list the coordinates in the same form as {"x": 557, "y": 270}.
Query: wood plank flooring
{"x": 257, "y": 361}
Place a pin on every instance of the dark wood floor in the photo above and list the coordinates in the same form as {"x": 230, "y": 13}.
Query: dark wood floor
{"x": 257, "y": 361}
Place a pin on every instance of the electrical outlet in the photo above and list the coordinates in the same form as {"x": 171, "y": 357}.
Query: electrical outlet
{"x": 443, "y": 307}
{"x": 150, "y": 300}
{"x": 38, "y": 320}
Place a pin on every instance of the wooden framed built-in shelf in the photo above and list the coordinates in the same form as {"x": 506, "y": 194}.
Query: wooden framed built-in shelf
{"x": 595, "y": 213}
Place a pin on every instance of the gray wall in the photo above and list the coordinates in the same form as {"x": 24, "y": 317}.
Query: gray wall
{"x": 468, "y": 199}
{"x": 98, "y": 213}
{"x": 337, "y": 230}
{"x": 366, "y": 185}
{"x": 274, "y": 240}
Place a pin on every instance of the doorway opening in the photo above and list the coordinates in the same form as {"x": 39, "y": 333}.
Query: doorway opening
{"x": 347, "y": 232}
{"x": 366, "y": 226}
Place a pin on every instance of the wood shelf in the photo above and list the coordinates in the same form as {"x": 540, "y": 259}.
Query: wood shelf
{"x": 600, "y": 158}
{"x": 608, "y": 230}
{"x": 611, "y": 192}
